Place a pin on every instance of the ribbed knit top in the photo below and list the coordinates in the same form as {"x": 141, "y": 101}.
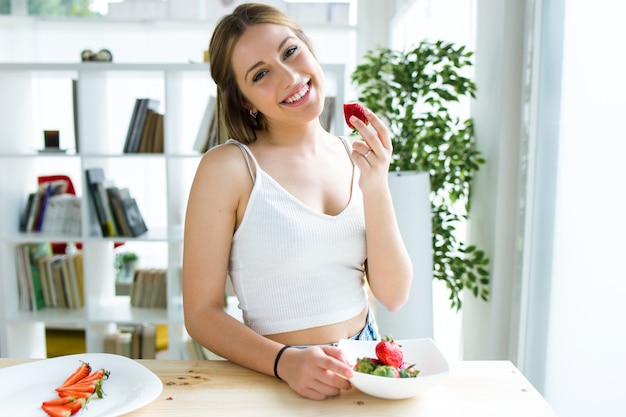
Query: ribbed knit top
{"x": 293, "y": 267}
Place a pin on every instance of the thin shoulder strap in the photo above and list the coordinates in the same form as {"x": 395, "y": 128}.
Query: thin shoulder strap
{"x": 347, "y": 146}
{"x": 246, "y": 156}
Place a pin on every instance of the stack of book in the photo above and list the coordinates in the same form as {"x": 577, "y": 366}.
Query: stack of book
{"x": 149, "y": 288}
{"x": 46, "y": 280}
{"x": 133, "y": 341}
{"x": 206, "y": 137}
{"x": 52, "y": 210}
{"x": 115, "y": 209}
{"x": 145, "y": 130}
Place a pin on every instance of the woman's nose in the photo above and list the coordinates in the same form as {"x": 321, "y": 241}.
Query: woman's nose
{"x": 289, "y": 76}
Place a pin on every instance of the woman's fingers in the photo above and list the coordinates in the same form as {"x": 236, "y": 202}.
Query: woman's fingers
{"x": 377, "y": 137}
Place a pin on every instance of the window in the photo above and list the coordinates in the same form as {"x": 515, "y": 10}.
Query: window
{"x": 333, "y": 12}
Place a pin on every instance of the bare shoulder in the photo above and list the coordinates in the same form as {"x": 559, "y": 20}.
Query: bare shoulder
{"x": 226, "y": 161}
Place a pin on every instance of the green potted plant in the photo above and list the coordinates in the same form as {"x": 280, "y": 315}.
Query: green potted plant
{"x": 417, "y": 93}
{"x": 125, "y": 265}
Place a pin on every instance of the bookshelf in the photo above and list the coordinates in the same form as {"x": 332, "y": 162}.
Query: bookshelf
{"x": 90, "y": 104}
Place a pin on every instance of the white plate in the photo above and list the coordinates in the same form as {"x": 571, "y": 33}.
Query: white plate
{"x": 423, "y": 353}
{"x": 130, "y": 385}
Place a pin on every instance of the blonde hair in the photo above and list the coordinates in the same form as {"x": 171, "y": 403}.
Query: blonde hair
{"x": 234, "y": 120}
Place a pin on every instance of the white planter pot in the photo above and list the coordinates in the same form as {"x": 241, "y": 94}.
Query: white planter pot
{"x": 410, "y": 193}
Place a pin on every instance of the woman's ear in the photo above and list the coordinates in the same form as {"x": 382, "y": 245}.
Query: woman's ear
{"x": 251, "y": 109}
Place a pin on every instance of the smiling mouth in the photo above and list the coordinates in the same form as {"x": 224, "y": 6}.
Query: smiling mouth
{"x": 298, "y": 96}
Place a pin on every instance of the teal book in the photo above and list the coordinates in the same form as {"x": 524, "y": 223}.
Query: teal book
{"x": 35, "y": 252}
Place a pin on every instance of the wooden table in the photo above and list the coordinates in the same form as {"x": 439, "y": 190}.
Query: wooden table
{"x": 220, "y": 388}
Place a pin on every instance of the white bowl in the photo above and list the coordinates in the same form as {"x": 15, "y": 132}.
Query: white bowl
{"x": 423, "y": 353}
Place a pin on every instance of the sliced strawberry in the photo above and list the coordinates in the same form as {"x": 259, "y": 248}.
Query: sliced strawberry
{"x": 354, "y": 109}
{"x": 81, "y": 372}
{"x": 95, "y": 376}
{"x": 59, "y": 401}
{"x": 75, "y": 406}
{"x": 87, "y": 387}
{"x": 56, "y": 411}
{"x": 86, "y": 395}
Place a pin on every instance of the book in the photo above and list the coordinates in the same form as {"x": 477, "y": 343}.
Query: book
{"x": 33, "y": 211}
{"x": 58, "y": 282}
{"x": 158, "y": 142}
{"x": 133, "y": 217}
{"x": 29, "y": 274}
{"x": 149, "y": 288}
{"x": 37, "y": 251}
{"x": 23, "y": 279}
{"x": 95, "y": 186}
{"x": 44, "y": 205}
{"x": 49, "y": 264}
{"x": 148, "y": 341}
{"x": 44, "y": 280}
{"x": 131, "y": 124}
{"x": 138, "y": 120}
{"x": 135, "y": 342}
{"x": 115, "y": 198}
{"x": 25, "y": 216}
{"x": 67, "y": 284}
{"x": 77, "y": 258}
{"x": 146, "y": 142}
{"x": 206, "y": 125}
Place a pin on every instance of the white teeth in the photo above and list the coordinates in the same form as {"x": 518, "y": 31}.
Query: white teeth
{"x": 298, "y": 95}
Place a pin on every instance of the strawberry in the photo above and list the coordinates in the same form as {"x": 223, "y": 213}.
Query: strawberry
{"x": 59, "y": 401}
{"x": 389, "y": 352}
{"x": 354, "y": 109}
{"x": 56, "y": 411}
{"x": 81, "y": 372}
{"x": 86, "y": 395}
{"x": 90, "y": 387}
{"x": 75, "y": 406}
{"x": 95, "y": 376}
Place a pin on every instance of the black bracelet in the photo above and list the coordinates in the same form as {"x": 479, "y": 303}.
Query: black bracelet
{"x": 278, "y": 355}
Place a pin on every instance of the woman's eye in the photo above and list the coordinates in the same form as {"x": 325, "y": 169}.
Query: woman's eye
{"x": 290, "y": 51}
{"x": 259, "y": 75}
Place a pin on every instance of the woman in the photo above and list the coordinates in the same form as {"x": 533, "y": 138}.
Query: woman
{"x": 283, "y": 210}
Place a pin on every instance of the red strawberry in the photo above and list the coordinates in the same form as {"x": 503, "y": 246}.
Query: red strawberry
{"x": 354, "y": 109}
{"x": 81, "y": 372}
{"x": 56, "y": 411}
{"x": 75, "y": 406}
{"x": 59, "y": 401}
{"x": 86, "y": 395}
{"x": 94, "y": 387}
{"x": 95, "y": 376}
{"x": 389, "y": 352}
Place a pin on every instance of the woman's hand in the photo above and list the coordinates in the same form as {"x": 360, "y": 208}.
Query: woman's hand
{"x": 316, "y": 372}
{"x": 373, "y": 154}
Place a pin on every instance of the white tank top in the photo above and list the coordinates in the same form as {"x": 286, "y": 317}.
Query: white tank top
{"x": 292, "y": 267}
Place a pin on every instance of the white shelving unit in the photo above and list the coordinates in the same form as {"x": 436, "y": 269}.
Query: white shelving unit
{"x": 37, "y": 97}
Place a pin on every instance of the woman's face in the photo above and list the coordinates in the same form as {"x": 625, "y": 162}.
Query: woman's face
{"x": 278, "y": 75}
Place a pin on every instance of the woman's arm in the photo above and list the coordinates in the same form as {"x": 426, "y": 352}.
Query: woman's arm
{"x": 389, "y": 268}
{"x": 221, "y": 183}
